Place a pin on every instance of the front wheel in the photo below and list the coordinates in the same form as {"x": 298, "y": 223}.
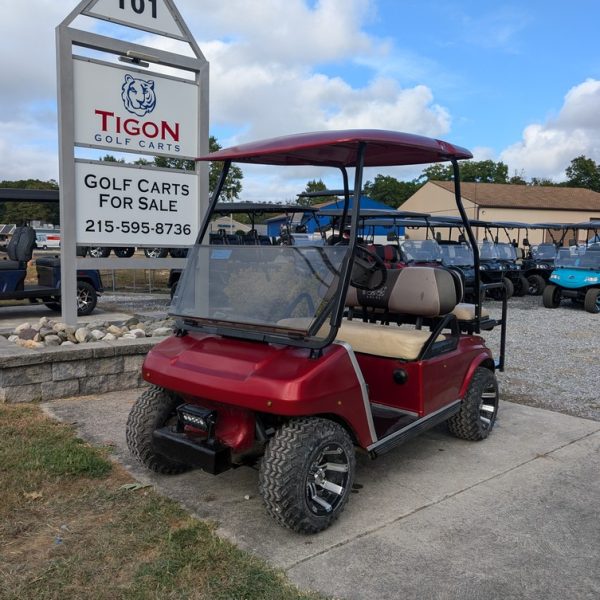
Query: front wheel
{"x": 536, "y": 285}
{"x": 154, "y": 409}
{"x": 509, "y": 287}
{"x": 124, "y": 252}
{"x": 306, "y": 474}
{"x": 521, "y": 286}
{"x": 551, "y": 297}
{"x": 479, "y": 408}
{"x": 156, "y": 252}
{"x": 592, "y": 300}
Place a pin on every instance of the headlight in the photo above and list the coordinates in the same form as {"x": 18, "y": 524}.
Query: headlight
{"x": 592, "y": 279}
{"x": 483, "y": 267}
{"x": 544, "y": 266}
{"x": 554, "y": 276}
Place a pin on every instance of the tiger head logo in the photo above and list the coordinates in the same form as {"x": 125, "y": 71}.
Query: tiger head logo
{"x": 138, "y": 95}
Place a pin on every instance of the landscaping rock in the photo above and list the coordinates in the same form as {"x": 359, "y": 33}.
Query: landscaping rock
{"x": 82, "y": 335}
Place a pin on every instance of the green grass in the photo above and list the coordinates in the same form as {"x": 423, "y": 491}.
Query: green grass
{"x": 70, "y": 529}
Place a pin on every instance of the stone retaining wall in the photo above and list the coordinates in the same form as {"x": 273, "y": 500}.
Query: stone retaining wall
{"x": 90, "y": 368}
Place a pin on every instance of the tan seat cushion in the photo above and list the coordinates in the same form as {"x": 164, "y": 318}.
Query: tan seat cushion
{"x": 390, "y": 341}
{"x": 466, "y": 312}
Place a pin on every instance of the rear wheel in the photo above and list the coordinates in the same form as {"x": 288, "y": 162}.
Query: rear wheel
{"x": 551, "y": 296}
{"x": 306, "y": 474}
{"x": 156, "y": 252}
{"x": 536, "y": 285}
{"x": 479, "y": 408}
{"x": 510, "y": 288}
{"x": 154, "y": 409}
{"x": 592, "y": 300}
{"x": 87, "y": 298}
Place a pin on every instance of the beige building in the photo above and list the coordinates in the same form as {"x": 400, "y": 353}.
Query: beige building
{"x": 505, "y": 202}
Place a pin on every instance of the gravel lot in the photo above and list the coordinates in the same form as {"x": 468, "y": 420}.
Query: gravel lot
{"x": 552, "y": 356}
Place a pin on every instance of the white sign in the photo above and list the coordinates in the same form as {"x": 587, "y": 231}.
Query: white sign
{"x": 134, "y": 111}
{"x": 148, "y": 15}
{"x": 135, "y": 207}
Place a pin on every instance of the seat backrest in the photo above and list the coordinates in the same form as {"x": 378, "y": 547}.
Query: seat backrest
{"x": 419, "y": 291}
{"x": 20, "y": 247}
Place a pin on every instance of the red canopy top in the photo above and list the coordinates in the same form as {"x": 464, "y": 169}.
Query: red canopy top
{"x": 340, "y": 149}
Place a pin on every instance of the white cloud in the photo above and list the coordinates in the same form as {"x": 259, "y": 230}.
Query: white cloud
{"x": 268, "y": 76}
{"x": 547, "y": 149}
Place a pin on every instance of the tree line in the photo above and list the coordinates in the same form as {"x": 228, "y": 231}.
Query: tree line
{"x": 582, "y": 172}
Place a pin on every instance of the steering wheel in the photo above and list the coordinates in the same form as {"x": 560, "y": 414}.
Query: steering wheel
{"x": 368, "y": 270}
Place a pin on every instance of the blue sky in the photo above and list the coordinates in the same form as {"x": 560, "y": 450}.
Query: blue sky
{"x": 512, "y": 81}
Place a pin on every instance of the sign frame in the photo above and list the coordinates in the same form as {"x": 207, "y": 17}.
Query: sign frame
{"x": 68, "y": 41}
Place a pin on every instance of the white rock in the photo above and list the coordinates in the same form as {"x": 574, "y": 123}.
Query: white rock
{"x": 162, "y": 331}
{"x": 138, "y": 333}
{"x": 22, "y": 327}
{"x": 59, "y": 326}
{"x": 67, "y": 343}
{"x": 82, "y": 334}
{"x": 97, "y": 334}
{"x": 109, "y": 337}
{"x": 52, "y": 340}
{"x": 114, "y": 330}
{"x": 13, "y": 338}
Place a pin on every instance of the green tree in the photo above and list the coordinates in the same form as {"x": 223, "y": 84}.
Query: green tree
{"x": 583, "y": 172}
{"x": 391, "y": 191}
{"x": 233, "y": 183}
{"x": 314, "y": 186}
{"x": 18, "y": 212}
{"x": 478, "y": 171}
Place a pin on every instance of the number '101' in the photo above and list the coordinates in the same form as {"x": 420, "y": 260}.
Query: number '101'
{"x": 139, "y": 6}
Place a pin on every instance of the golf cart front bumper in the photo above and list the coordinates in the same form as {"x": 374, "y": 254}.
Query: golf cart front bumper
{"x": 210, "y": 456}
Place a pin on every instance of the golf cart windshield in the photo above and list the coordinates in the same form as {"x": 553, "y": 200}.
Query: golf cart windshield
{"x": 277, "y": 287}
{"x": 460, "y": 255}
{"x": 544, "y": 252}
{"x": 579, "y": 258}
{"x": 487, "y": 250}
{"x": 294, "y": 294}
{"x": 422, "y": 251}
{"x": 506, "y": 251}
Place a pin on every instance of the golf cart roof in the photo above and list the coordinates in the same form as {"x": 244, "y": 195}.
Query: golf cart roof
{"x": 586, "y": 225}
{"x": 373, "y": 213}
{"x": 453, "y": 221}
{"x": 260, "y": 207}
{"x": 340, "y": 149}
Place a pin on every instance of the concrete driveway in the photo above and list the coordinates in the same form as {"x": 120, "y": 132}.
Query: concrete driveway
{"x": 515, "y": 516}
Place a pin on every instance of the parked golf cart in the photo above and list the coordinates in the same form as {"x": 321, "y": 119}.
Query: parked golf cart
{"x": 13, "y": 271}
{"x": 509, "y": 254}
{"x": 265, "y": 368}
{"x": 538, "y": 262}
{"x": 576, "y": 274}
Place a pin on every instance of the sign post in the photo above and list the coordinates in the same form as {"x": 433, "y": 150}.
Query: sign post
{"x": 129, "y": 106}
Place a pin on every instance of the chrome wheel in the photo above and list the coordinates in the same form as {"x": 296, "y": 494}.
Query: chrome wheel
{"x": 327, "y": 480}
{"x": 489, "y": 406}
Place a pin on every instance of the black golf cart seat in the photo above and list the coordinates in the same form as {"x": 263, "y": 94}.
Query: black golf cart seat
{"x": 19, "y": 249}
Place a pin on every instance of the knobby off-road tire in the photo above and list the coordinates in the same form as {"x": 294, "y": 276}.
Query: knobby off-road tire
{"x": 592, "y": 300}
{"x": 479, "y": 409}
{"x": 551, "y": 296}
{"x": 306, "y": 474}
{"x": 536, "y": 285}
{"x": 152, "y": 410}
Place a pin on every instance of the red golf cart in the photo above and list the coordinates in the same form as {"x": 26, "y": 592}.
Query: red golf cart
{"x": 269, "y": 367}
